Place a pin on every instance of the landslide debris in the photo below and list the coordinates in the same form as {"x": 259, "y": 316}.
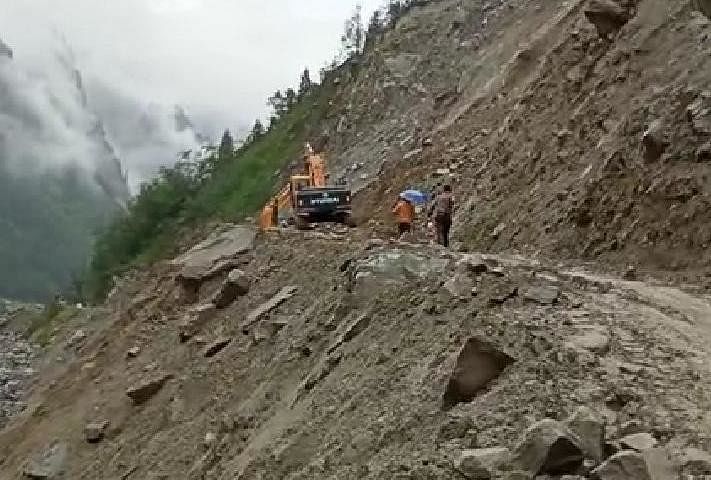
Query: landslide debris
{"x": 349, "y": 356}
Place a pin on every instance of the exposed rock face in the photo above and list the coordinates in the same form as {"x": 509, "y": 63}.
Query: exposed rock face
{"x": 236, "y": 285}
{"x": 549, "y": 447}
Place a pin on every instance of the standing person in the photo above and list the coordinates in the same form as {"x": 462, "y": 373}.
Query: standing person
{"x": 404, "y": 212}
{"x": 441, "y": 211}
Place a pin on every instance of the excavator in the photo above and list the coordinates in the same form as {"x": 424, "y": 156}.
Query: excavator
{"x": 308, "y": 198}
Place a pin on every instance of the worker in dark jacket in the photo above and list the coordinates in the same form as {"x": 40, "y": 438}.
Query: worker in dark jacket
{"x": 441, "y": 214}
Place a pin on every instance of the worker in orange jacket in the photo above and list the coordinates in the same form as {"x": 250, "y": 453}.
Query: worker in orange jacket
{"x": 404, "y": 212}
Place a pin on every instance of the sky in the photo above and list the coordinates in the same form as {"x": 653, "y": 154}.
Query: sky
{"x": 218, "y": 59}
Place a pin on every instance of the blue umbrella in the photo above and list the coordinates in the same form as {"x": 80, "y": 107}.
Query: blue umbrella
{"x": 415, "y": 197}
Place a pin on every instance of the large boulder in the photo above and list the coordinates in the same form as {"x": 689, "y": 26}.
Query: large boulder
{"x": 589, "y": 426}
{"x": 542, "y": 295}
{"x": 236, "y": 285}
{"x": 265, "y": 308}
{"x": 215, "y": 254}
{"x": 626, "y": 465}
{"x": 549, "y": 447}
{"x": 479, "y": 362}
{"x": 608, "y": 16}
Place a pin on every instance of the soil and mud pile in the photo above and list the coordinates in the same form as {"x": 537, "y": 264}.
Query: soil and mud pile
{"x": 570, "y": 129}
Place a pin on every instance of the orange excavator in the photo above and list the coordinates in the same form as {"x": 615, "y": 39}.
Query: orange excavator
{"x": 308, "y": 198}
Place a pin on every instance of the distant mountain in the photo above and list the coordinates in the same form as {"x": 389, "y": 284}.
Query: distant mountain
{"x": 60, "y": 178}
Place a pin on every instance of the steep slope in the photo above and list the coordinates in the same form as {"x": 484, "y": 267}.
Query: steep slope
{"x": 336, "y": 355}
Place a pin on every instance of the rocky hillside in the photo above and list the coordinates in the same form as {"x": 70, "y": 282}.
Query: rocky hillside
{"x": 574, "y": 133}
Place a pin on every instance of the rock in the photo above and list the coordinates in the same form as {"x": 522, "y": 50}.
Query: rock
{"x": 236, "y": 285}
{"x": 133, "y": 352}
{"x": 216, "y": 347}
{"x": 258, "y": 313}
{"x": 473, "y": 264}
{"x": 638, "y": 442}
{"x": 49, "y": 465}
{"x": 549, "y": 447}
{"x": 482, "y": 463}
{"x": 594, "y": 339}
{"x": 626, "y": 465}
{"x": 460, "y": 286}
{"x": 412, "y": 154}
{"x": 630, "y": 273}
{"x": 542, "y": 295}
{"x": 703, "y": 153}
{"x": 194, "y": 320}
{"x": 703, "y": 6}
{"x": 589, "y": 426}
{"x": 215, "y": 254}
{"x": 478, "y": 363}
{"x": 699, "y": 114}
{"x": 660, "y": 465}
{"x": 77, "y": 338}
{"x": 498, "y": 231}
{"x": 653, "y": 141}
{"x": 695, "y": 462}
{"x": 607, "y": 16}
{"x": 94, "y": 432}
{"x": 442, "y": 172}
{"x": 427, "y": 142}
{"x": 147, "y": 388}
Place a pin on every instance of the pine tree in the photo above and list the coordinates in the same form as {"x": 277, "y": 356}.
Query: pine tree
{"x": 305, "y": 85}
{"x": 353, "y": 37}
{"x": 290, "y": 98}
{"x": 227, "y": 145}
{"x": 278, "y": 103}
{"x": 257, "y": 130}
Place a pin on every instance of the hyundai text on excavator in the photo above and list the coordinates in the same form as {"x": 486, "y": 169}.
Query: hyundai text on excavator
{"x": 308, "y": 198}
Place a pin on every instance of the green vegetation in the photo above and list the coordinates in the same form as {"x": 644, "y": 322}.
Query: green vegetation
{"x": 230, "y": 187}
{"x": 233, "y": 184}
{"x": 47, "y": 222}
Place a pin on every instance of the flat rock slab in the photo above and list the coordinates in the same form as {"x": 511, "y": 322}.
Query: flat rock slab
{"x": 593, "y": 339}
{"x": 215, "y": 254}
{"x": 542, "y": 295}
{"x": 147, "y": 388}
{"x": 639, "y": 442}
{"x": 625, "y": 465}
{"x": 258, "y": 313}
{"x": 482, "y": 463}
